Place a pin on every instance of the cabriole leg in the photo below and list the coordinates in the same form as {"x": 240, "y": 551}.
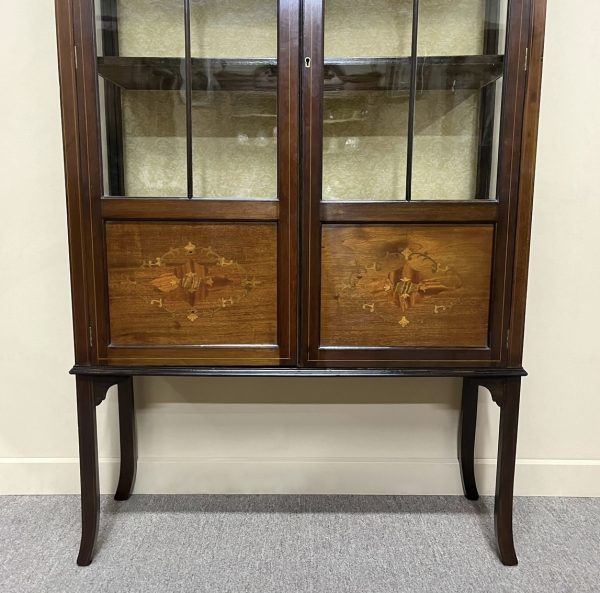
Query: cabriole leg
{"x": 466, "y": 438}
{"x": 128, "y": 440}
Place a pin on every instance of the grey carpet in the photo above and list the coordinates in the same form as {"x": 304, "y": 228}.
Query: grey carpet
{"x": 304, "y": 544}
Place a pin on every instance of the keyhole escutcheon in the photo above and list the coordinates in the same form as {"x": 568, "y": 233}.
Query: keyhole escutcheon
{"x": 307, "y": 62}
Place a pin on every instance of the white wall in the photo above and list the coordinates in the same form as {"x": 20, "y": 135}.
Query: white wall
{"x": 394, "y": 445}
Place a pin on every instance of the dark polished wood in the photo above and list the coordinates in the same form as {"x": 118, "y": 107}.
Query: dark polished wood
{"x": 506, "y": 392}
{"x": 128, "y": 440}
{"x": 312, "y": 174}
{"x": 466, "y": 437}
{"x": 187, "y": 371}
{"x": 526, "y": 188}
{"x": 403, "y": 211}
{"x": 88, "y": 468}
{"x": 91, "y": 392}
{"x": 184, "y": 209}
{"x": 293, "y": 344}
{"x": 288, "y": 181}
{"x": 77, "y": 214}
{"x": 112, "y": 101}
{"x": 188, "y": 86}
{"x": 515, "y": 80}
{"x": 487, "y": 104}
{"x": 508, "y": 400}
{"x": 412, "y": 99}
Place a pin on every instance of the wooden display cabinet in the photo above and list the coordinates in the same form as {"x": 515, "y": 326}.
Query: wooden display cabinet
{"x": 299, "y": 188}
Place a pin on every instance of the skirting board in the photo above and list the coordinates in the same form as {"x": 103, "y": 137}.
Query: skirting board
{"x": 302, "y": 476}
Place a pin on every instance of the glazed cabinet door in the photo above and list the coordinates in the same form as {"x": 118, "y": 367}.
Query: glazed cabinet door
{"x": 189, "y": 124}
{"x": 412, "y": 114}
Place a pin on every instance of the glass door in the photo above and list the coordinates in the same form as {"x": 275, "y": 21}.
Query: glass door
{"x": 402, "y": 153}
{"x": 197, "y": 140}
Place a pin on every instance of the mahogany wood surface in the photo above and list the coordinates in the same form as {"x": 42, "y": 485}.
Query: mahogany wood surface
{"x": 405, "y": 285}
{"x": 466, "y": 438}
{"x": 522, "y": 232}
{"x": 175, "y": 284}
{"x": 135, "y": 306}
{"x": 88, "y": 468}
{"x": 184, "y": 209}
{"x": 127, "y": 439}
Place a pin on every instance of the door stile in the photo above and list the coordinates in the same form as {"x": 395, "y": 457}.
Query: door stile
{"x": 511, "y": 130}
{"x": 312, "y": 172}
{"x": 288, "y": 100}
{"x": 90, "y": 186}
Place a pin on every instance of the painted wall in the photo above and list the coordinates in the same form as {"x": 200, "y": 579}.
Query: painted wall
{"x": 388, "y": 436}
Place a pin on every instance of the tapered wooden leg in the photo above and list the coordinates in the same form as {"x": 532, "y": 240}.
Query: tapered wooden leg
{"x": 91, "y": 392}
{"x": 506, "y": 394}
{"x": 88, "y": 468}
{"x": 466, "y": 438}
{"x": 128, "y": 439}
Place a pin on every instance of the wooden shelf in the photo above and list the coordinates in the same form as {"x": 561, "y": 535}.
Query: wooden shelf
{"x": 365, "y": 74}
{"x": 150, "y": 74}
{"x": 393, "y": 74}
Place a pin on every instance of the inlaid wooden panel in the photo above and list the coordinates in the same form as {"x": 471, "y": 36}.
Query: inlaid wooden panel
{"x": 406, "y": 285}
{"x": 192, "y": 284}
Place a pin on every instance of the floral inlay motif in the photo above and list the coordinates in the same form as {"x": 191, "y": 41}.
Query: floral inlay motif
{"x": 398, "y": 281}
{"x": 192, "y": 282}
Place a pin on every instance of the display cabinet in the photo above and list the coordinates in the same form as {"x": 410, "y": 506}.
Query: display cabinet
{"x": 299, "y": 188}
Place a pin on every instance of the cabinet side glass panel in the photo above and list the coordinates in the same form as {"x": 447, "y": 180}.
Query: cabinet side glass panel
{"x": 234, "y": 98}
{"x": 458, "y": 99}
{"x": 366, "y": 99}
{"x": 142, "y": 95}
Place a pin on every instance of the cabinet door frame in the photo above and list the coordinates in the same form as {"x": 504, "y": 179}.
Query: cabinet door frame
{"x": 89, "y": 209}
{"x": 502, "y": 213}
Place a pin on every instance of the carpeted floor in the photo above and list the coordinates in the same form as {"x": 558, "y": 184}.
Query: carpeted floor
{"x": 304, "y": 544}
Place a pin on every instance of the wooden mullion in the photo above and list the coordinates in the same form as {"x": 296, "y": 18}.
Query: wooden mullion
{"x": 412, "y": 105}
{"x": 487, "y": 104}
{"x": 188, "y": 99}
{"x": 112, "y": 102}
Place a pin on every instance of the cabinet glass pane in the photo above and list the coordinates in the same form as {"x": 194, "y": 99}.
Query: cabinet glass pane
{"x": 366, "y": 99}
{"x": 458, "y": 100}
{"x": 234, "y": 103}
{"x": 141, "y": 50}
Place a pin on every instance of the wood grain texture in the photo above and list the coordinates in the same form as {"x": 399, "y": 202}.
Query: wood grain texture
{"x": 184, "y": 209}
{"x": 192, "y": 284}
{"x": 405, "y": 285}
{"x": 76, "y": 208}
{"x": 526, "y": 186}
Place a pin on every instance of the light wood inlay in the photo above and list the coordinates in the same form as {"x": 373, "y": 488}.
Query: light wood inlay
{"x": 192, "y": 284}
{"x": 405, "y": 285}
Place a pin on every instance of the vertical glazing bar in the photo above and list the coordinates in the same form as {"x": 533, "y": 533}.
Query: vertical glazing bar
{"x": 112, "y": 102}
{"x": 412, "y": 100}
{"x": 487, "y": 104}
{"x": 188, "y": 98}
